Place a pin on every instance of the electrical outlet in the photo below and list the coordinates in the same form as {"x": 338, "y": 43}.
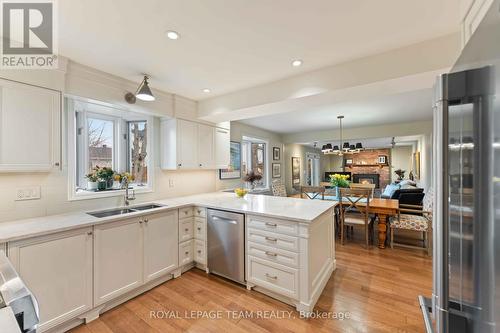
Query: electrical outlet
{"x": 28, "y": 193}
{"x": 170, "y": 183}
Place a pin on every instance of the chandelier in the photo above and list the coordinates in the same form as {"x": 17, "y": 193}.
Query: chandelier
{"x": 343, "y": 147}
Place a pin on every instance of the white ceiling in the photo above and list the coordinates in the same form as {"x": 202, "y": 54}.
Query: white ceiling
{"x": 399, "y": 108}
{"x": 231, "y": 45}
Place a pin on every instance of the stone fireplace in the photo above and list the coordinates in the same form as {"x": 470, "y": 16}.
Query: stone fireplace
{"x": 367, "y": 178}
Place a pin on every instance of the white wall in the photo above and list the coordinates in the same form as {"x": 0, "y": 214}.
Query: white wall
{"x": 87, "y": 82}
{"x": 297, "y": 150}
{"x": 238, "y": 130}
{"x": 401, "y": 158}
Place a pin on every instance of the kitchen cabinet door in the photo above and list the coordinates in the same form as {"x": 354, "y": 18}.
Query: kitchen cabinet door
{"x": 118, "y": 259}
{"x": 206, "y": 151}
{"x": 222, "y": 148}
{"x": 58, "y": 271}
{"x": 30, "y": 128}
{"x": 161, "y": 245}
{"x": 187, "y": 145}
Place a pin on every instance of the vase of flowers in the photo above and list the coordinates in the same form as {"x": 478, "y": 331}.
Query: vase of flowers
{"x": 251, "y": 178}
{"x": 338, "y": 181}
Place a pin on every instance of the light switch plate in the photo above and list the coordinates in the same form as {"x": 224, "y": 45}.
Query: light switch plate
{"x": 28, "y": 193}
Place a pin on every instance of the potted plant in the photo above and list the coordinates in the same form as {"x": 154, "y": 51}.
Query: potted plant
{"x": 401, "y": 174}
{"x": 337, "y": 181}
{"x": 105, "y": 177}
{"x": 251, "y": 178}
{"x": 91, "y": 181}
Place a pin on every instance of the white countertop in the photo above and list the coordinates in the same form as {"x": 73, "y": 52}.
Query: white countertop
{"x": 294, "y": 209}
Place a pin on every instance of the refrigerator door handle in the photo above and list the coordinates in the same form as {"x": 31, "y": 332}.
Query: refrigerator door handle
{"x": 425, "y": 306}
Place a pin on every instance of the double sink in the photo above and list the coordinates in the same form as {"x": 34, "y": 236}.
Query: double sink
{"x": 122, "y": 211}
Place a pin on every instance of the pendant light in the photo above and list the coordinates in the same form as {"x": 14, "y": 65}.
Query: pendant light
{"x": 343, "y": 147}
{"x": 144, "y": 92}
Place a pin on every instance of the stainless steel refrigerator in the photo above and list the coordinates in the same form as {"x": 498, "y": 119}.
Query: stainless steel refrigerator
{"x": 466, "y": 178}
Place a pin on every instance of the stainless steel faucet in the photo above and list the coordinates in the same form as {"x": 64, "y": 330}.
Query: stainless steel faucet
{"x": 127, "y": 197}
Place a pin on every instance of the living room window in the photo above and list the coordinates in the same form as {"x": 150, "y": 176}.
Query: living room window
{"x": 254, "y": 158}
{"x": 108, "y": 145}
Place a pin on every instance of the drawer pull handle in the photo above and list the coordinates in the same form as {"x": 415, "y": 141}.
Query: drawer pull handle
{"x": 199, "y": 229}
{"x": 90, "y": 233}
{"x": 271, "y": 239}
{"x": 199, "y": 251}
{"x": 187, "y": 252}
{"x": 274, "y": 225}
{"x": 185, "y": 212}
{"x": 186, "y": 230}
{"x": 271, "y": 254}
{"x": 199, "y": 211}
{"x": 274, "y": 277}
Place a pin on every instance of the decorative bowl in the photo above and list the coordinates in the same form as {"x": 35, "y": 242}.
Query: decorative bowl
{"x": 240, "y": 192}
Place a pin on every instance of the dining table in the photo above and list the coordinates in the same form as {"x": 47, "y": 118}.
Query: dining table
{"x": 383, "y": 208}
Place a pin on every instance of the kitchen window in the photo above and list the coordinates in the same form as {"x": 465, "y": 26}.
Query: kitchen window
{"x": 109, "y": 144}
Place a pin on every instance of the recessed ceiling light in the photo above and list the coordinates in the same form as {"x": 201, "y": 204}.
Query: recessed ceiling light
{"x": 297, "y": 63}
{"x": 206, "y": 90}
{"x": 172, "y": 34}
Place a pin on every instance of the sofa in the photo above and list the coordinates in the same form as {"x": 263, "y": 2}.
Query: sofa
{"x": 404, "y": 193}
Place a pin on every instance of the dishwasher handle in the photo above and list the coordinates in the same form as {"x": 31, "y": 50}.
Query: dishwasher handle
{"x": 223, "y": 219}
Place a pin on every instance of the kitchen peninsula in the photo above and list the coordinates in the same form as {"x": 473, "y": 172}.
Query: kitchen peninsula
{"x": 80, "y": 266}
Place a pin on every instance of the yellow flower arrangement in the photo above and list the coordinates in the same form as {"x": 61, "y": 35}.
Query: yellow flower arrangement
{"x": 338, "y": 180}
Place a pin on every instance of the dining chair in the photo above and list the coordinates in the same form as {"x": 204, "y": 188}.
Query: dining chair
{"x": 278, "y": 189}
{"x": 354, "y": 211}
{"x": 370, "y": 187}
{"x": 312, "y": 192}
{"x": 417, "y": 218}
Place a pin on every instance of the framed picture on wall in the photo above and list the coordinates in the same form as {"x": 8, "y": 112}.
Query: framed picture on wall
{"x": 295, "y": 171}
{"x": 416, "y": 164}
{"x": 276, "y": 170}
{"x": 348, "y": 161}
{"x": 382, "y": 159}
{"x": 234, "y": 169}
{"x": 276, "y": 153}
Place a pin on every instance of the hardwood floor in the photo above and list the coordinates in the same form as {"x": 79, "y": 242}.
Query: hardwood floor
{"x": 377, "y": 288}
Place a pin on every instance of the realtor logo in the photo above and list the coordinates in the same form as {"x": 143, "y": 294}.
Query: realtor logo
{"x": 28, "y": 30}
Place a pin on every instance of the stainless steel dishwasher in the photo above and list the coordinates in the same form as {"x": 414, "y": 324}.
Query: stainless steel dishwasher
{"x": 226, "y": 244}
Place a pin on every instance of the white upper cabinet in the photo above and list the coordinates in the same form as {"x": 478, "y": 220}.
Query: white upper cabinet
{"x": 189, "y": 145}
{"x": 30, "y": 128}
{"x": 206, "y": 151}
{"x": 222, "y": 148}
{"x": 472, "y": 13}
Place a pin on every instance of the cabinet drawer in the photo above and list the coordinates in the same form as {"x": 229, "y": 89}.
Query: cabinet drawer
{"x": 278, "y": 278}
{"x": 185, "y": 212}
{"x": 200, "y": 228}
{"x": 200, "y": 212}
{"x": 273, "y": 225}
{"x": 185, "y": 229}
{"x": 279, "y": 256}
{"x": 185, "y": 253}
{"x": 200, "y": 252}
{"x": 274, "y": 240}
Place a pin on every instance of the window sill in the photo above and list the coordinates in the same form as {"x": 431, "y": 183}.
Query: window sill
{"x": 87, "y": 195}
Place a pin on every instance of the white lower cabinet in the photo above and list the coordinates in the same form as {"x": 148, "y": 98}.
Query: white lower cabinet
{"x": 58, "y": 271}
{"x": 118, "y": 259}
{"x": 186, "y": 252}
{"x": 160, "y": 244}
{"x": 200, "y": 252}
{"x": 275, "y": 277}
